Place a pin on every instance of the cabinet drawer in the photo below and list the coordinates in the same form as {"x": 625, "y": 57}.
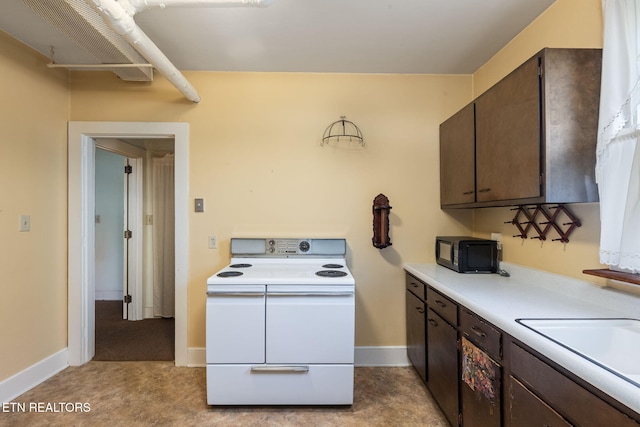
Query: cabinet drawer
{"x": 571, "y": 400}
{"x": 481, "y": 333}
{"x": 416, "y": 287}
{"x": 443, "y": 306}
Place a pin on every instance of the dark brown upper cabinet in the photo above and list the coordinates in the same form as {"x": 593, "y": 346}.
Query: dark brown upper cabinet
{"x": 457, "y": 158}
{"x": 532, "y": 136}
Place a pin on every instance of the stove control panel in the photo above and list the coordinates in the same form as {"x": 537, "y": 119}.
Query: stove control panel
{"x": 288, "y": 246}
{"x": 284, "y": 248}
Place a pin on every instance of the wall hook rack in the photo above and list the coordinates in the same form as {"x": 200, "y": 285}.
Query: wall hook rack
{"x": 542, "y": 219}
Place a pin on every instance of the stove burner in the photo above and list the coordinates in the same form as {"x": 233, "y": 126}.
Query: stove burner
{"x": 240, "y": 265}
{"x": 229, "y": 273}
{"x": 333, "y": 266}
{"x": 330, "y": 273}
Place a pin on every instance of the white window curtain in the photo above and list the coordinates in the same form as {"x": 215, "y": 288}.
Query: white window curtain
{"x": 618, "y": 158}
{"x": 163, "y": 236}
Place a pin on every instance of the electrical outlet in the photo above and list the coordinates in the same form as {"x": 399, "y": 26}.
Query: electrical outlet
{"x": 213, "y": 242}
{"x": 25, "y": 222}
{"x": 498, "y": 238}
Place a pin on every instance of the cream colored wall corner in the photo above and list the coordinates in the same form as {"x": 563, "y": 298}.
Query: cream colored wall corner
{"x": 567, "y": 23}
{"x": 256, "y": 159}
{"x": 33, "y": 181}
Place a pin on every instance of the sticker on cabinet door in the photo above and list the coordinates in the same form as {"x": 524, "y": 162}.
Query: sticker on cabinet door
{"x": 478, "y": 370}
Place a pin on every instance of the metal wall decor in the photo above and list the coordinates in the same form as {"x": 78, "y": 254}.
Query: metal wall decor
{"x": 381, "y": 210}
{"x": 539, "y": 219}
{"x": 344, "y": 130}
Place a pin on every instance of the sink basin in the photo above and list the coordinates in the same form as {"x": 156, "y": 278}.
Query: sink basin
{"x": 613, "y": 344}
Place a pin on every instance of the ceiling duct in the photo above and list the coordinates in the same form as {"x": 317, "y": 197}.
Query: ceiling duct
{"x": 82, "y": 24}
{"x": 108, "y": 30}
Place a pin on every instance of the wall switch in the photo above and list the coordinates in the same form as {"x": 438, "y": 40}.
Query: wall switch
{"x": 199, "y": 205}
{"x": 498, "y": 238}
{"x": 213, "y": 242}
{"x": 25, "y": 222}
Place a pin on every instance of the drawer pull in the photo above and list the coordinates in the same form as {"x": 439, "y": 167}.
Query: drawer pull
{"x": 414, "y": 284}
{"x": 484, "y": 190}
{"x": 420, "y": 310}
{"x": 469, "y": 192}
{"x": 280, "y": 368}
{"x": 433, "y": 322}
{"x": 440, "y": 303}
{"x": 478, "y": 332}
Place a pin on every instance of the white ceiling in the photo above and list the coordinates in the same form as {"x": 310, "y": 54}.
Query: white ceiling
{"x": 344, "y": 36}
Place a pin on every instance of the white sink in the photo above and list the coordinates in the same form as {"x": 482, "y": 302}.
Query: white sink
{"x": 613, "y": 344}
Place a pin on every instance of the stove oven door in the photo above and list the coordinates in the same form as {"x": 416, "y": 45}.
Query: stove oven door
{"x": 310, "y": 324}
{"x": 235, "y": 324}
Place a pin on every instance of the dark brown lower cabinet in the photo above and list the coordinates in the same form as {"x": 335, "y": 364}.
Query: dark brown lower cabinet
{"x": 480, "y": 387}
{"x": 527, "y": 410}
{"x": 416, "y": 334}
{"x": 442, "y": 353}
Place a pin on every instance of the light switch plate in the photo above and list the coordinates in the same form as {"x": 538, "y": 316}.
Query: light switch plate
{"x": 25, "y": 222}
{"x": 199, "y": 205}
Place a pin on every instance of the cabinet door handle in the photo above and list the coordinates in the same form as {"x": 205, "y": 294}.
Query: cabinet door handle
{"x": 433, "y": 322}
{"x": 484, "y": 190}
{"x": 440, "y": 303}
{"x": 469, "y": 192}
{"x": 478, "y": 332}
{"x": 420, "y": 310}
{"x": 414, "y": 284}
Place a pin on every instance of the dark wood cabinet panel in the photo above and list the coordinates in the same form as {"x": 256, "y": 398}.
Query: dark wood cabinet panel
{"x": 416, "y": 334}
{"x": 443, "y": 306}
{"x": 457, "y": 160}
{"x": 575, "y": 403}
{"x": 525, "y": 409}
{"x": 442, "y": 354}
{"x": 483, "y": 334}
{"x": 508, "y": 137}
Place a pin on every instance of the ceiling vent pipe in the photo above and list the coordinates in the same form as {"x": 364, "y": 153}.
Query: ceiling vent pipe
{"x": 119, "y": 16}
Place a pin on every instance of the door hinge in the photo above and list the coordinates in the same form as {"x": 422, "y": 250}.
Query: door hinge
{"x": 127, "y": 299}
{"x": 128, "y": 169}
{"x": 128, "y": 234}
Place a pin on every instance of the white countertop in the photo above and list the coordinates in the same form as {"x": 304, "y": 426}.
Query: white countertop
{"x": 531, "y": 293}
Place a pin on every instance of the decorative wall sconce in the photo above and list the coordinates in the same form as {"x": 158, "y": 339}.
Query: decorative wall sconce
{"x": 342, "y": 129}
{"x": 381, "y": 210}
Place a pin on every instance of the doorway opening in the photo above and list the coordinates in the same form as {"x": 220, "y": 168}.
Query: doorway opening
{"x": 134, "y": 245}
{"x": 81, "y": 226}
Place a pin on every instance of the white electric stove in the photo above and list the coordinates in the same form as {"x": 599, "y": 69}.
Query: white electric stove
{"x": 280, "y": 324}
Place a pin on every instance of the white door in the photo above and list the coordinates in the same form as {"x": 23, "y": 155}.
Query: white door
{"x": 133, "y": 240}
{"x": 235, "y": 324}
{"x": 310, "y": 324}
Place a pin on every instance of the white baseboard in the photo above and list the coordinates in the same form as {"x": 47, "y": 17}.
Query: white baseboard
{"x": 35, "y": 374}
{"x": 364, "y": 356}
{"x": 382, "y": 356}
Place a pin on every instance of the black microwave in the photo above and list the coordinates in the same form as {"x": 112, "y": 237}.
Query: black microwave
{"x": 467, "y": 254}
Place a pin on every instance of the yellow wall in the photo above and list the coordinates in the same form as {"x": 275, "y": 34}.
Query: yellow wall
{"x": 33, "y": 181}
{"x": 256, "y": 159}
{"x": 259, "y": 134}
{"x": 567, "y": 23}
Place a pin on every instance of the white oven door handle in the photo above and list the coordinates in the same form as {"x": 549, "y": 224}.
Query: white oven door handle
{"x": 310, "y": 294}
{"x": 280, "y": 368}
{"x": 234, "y": 294}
